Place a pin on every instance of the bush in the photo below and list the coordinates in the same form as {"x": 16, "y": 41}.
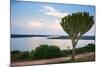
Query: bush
{"x": 41, "y": 52}
{"x": 24, "y": 55}
{"x": 32, "y": 55}
{"x": 46, "y": 52}
{"x": 15, "y": 55}
{"x": 88, "y": 48}
{"x": 18, "y": 55}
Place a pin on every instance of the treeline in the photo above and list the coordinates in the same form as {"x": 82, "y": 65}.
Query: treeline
{"x": 67, "y": 37}
{"x": 47, "y": 52}
{"x": 87, "y": 48}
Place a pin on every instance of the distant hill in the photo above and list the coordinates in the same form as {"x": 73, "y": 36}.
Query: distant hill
{"x": 67, "y": 37}
{"x": 18, "y": 36}
{"x": 51, "y": 36}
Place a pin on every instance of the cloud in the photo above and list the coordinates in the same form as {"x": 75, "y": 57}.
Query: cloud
{"x": 37, "y": 24}
{"x": 48, "y": 10}
{"x": 55, "y": 26}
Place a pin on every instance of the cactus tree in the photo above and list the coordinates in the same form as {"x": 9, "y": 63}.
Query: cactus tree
{"x": 75, "y": 25}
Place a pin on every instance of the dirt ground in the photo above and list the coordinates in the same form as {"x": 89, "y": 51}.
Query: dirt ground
{"x": 82, "y": 57}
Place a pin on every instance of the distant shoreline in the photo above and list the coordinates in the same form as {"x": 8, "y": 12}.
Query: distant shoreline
{"x": 67, "y": 37}
{"x": 52, "y": 36}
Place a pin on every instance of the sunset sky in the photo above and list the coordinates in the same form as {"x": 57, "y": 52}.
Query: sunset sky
{"x": 43, "y": 18}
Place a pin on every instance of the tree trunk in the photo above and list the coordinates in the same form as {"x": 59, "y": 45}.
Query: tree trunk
{"x": 73, "y": 53}
{"x": 73, "y": 50}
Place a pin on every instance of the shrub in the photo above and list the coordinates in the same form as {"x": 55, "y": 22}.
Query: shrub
{"x": 24, "y": 55}
{"x": 32, "y": 55}
{"x": 15, "y": 55}
{"x": 46, "y": 52}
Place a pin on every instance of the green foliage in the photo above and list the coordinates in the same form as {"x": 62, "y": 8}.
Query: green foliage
{"x": 88, "y": 48}
{"x": 32, "y": 55}
{"x": 18, "y": 55}
{"x": 77, "y": 24}
{"x": 15, "y": 55}
{"x": 45, "y": 52}
{"x": 41, "y": 52}
{"x": 24, "y": 55}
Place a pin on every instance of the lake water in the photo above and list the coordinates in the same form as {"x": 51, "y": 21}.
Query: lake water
{"x": 29, "y": 43}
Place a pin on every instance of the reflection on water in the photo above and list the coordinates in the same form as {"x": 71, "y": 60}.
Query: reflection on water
{"x": 32, "y": 42}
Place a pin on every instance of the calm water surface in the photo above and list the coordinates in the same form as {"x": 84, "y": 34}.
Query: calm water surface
{"x": 29, "y": 43}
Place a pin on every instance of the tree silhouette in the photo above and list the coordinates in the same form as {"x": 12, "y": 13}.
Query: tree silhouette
{"x": 75, "y": 25}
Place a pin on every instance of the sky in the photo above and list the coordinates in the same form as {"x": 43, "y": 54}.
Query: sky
{"x": 43, "y": 18}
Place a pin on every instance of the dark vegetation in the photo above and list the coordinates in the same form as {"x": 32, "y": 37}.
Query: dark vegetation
{"x": 23, "y": 35}
{"x": 67, "y": 37}
{"x": 76, "y": 25}
{"x": 88, "y": 48}
{"x": 47, "y": 52}
{"x": 53, "y": 36}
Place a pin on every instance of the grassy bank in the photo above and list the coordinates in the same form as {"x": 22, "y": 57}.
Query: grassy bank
{"x": 47, "y": 52}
